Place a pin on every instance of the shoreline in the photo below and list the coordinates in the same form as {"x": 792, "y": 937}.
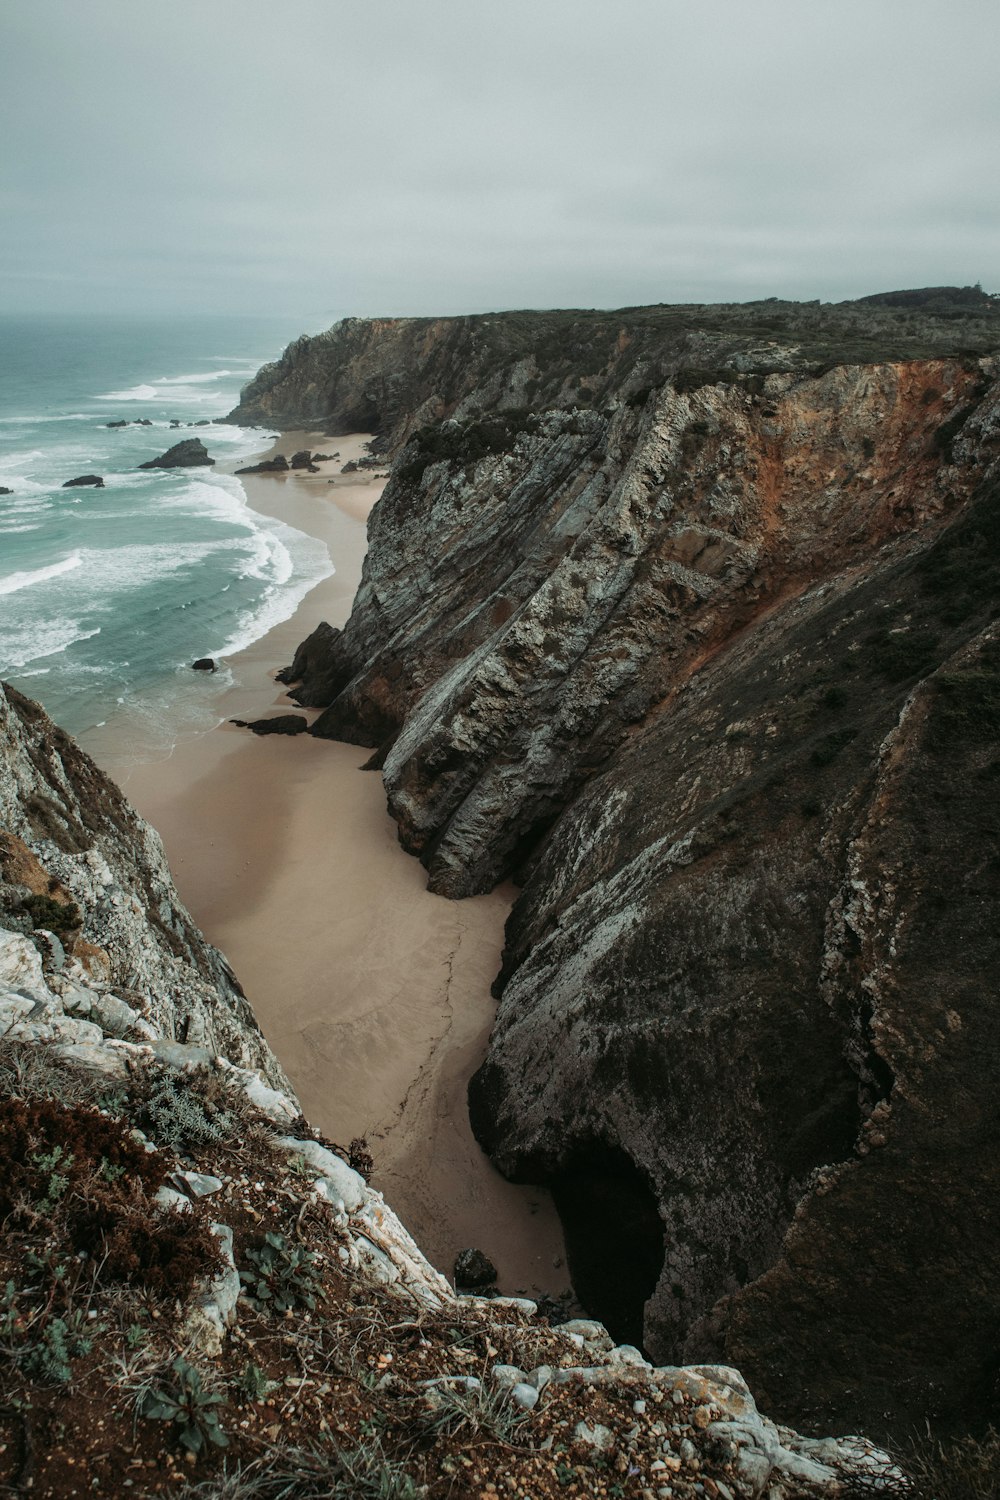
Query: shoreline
{"x": 374, "y": 994}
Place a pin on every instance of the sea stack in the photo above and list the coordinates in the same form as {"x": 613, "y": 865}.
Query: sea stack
{"x": 189, "y": 454}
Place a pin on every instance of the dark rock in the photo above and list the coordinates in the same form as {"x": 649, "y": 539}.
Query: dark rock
{"x": 143, "y": 422}
{"x": 94, "y": 480}
{"x": 120, "y": 423}
{"x": 303, "y": 460}
{"x": 280, "y": 724}
{"x": 473, "y": 1269}
{"x": 203, "y": 423}
{"x": 175, "y": 423}
{"x": 203, "y": 664}
{"x": 350, "y": 467}
{"x": 324, "y": 458}
{"x": 276, "y": 465}
{"x": 189, "y": 454}
{"x": 5, "y": 491}
{"x": 313, "y": 667}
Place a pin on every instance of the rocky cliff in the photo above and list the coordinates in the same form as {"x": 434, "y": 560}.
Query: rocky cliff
{"x": 192, "y": 1280}
{"x": 696, "y": 636}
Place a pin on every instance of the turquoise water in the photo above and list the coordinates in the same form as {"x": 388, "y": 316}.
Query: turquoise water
{"x": 107, "y": 596}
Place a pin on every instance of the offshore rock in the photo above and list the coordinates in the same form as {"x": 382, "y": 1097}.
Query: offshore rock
{"x": 714, "y": 669}
{"x": 94, "y": 480}
{"x": 203, "y": 664}
{"x": 189, "y": 454}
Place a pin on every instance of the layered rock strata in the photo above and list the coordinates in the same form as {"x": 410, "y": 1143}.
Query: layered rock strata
{"x": 714, "y": 670}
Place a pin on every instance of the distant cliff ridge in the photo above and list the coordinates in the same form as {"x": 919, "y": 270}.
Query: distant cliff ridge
{"x": 394, "y": 375}
{"x": 687, "y": 617}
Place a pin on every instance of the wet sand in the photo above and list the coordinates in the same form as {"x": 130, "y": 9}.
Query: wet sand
{"x": 373, "y": 993}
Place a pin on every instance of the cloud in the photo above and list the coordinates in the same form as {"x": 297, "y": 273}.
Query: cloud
{"x": 386, "y": 156}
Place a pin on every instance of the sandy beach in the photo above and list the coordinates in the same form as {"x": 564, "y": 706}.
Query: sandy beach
{"x": 373, "y": 992}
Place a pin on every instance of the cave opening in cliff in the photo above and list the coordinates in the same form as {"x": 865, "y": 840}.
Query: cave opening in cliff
{"x": 614, "y": 1236}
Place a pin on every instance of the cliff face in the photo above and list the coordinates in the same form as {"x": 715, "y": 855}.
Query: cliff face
{"x": 712, "y": 667}
{"x": 157, "y": 1197}
{"x": 110, "y": 863}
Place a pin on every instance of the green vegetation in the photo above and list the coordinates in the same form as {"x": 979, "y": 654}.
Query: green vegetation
{"x": 182, "y": 1398}
{"x": 452, "y": 442}
{"x": 283, "y": 1276}
{"x": 41, "y": 1343}
{"x": 180, "y": 1111}
{"x": 59, "y": 917}
{"x": 83, "y": 1177}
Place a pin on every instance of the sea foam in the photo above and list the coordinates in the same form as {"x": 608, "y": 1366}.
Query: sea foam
{"x": 26, "y": 580}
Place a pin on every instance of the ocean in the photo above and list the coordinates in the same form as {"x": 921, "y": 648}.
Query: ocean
{"x": 108, "y": 595}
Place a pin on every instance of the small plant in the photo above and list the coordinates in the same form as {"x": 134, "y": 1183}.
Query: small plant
{"x": 48, "y": 1163}
{"x": 360, "y": 1158}
{"x": 283, "y": 1276}
{"x": 186, "y": 1403}
{"x": 182, "y": 1111}
{"x": 42, "y": 1345}
{"x": 473, "y": 1412}
{"x": 60, "y": 1341}
{"x": 253, "y": 1384}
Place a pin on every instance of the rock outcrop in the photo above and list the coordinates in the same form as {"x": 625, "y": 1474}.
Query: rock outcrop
{"x": 708, "y": 660}
{"x": 94, "y": 481}
{"x": 189, "y": 454}
{"x": 110, "y": 863}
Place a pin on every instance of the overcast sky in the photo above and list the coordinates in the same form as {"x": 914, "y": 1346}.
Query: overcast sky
{"x": 318, "y": 157}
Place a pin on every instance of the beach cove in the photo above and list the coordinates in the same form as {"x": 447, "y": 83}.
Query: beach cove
{"x": 374, "y": 993}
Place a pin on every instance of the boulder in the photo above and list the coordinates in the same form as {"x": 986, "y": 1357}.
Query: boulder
{"x": 189, "y": 454}
{"x": 94, "y": 480}
{"x": 474, "y": 1269}
{"x": 203, "y": 664}
{"x": 276, "y": 465}
{"x": 280, "y": 724}
{"x": 303, "y": 460}
{"x": 120, "y": 423}
{"x": 5, "y": 491}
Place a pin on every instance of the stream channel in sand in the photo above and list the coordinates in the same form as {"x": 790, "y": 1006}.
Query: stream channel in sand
{"x": 374, "y": 994}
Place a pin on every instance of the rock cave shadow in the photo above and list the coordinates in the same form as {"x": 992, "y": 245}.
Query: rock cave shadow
{"x": 614, "y": 1236}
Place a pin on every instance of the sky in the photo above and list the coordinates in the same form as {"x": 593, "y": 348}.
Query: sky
{"x": 316, "y": 158}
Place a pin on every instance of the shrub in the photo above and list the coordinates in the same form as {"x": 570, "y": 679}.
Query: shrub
{"x": 184, "y": 1110}
{"x": 82, "y": 1176}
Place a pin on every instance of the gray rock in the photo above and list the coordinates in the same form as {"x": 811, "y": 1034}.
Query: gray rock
{"x": 197, "y": 1184}
{"x": 172, "y": 1201}
{"x": 347, "y": 1185}
{"x": 214, "y": 1310}
{"x": 181, "y": 1055}
{"x": 507, "y": 1376}
{"x": 525, "y": 1396}
{"x": 594, "y": 1435}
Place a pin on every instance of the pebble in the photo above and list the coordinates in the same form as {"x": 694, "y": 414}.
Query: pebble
{"x": 639, "y": 1407}
{"x": 524, "y": 1396}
